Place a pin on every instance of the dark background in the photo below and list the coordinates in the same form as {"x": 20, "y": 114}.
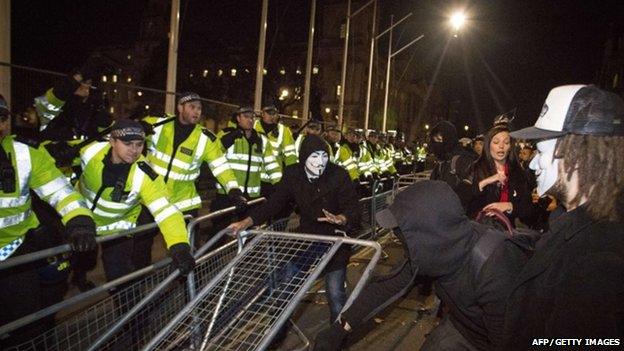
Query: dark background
{"x": 510, "y": 54}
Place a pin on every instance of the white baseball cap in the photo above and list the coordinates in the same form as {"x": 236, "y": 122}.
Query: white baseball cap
{"x": 577, "y": 109}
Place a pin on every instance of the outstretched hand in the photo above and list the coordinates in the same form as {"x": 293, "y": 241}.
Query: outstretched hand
{"x": 240, "y": 225}
{"x": 332, "y": 218}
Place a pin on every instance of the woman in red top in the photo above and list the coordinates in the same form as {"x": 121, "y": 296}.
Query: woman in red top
{"x": 499, "y": 182}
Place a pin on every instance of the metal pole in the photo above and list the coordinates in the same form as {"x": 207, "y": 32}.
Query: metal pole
{"x": 370, "y": 67}
{"x": 408, "y": 45}
{"x": 385, "y": 111}
{"x": 308, "y": 74}
{"x": 260, "y": 63}
{"x": 5, "y": 49}
{"x": 343, "y": 77}
{"x": 172, "y": 62}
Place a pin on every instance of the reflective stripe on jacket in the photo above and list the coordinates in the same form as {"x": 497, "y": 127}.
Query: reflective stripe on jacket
{"x": 111, "y": 216}
{"x": 181, "y": 167}
{"x": 283, "y": 144}
{"x": 34, "y": 169}
{"x": 251, "y": 165}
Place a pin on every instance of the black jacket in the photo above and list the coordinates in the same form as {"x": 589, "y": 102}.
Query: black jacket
{"x": 440, "y": 240}
{"x": 456, "y": 170}
{"x": 573, "y": 287}
{"x": 519, "y": 196}
{"x": 333, "y": 191}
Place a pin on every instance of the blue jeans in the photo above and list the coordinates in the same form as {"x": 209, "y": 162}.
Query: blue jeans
{"x": 336, "y": 294}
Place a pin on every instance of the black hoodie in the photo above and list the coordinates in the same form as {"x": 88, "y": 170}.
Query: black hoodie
{"x": 440, "y": 239}
{"x": 332, "y": 191}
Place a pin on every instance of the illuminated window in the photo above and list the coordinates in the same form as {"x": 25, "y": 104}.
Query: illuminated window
{"x": 112, "y": 109}
{"x": 282, "y": 71}
{"x": 219, "y": 72}
{"x": 139, "y": 93}
{"x": 114, "y": 78}
{"x": 298, "y": 71}
{"x": 315, "y": 70}
{"x": 104, "y": 79}
{"x": 147, "y": 107}
{"x": 205, "y": 73}
{"x": 264, "y": 71}
{"x": 233, "y": 72}
{"x": 129, "y": 57}
{"x": 338, "y": 90}
{"x": 129, "y": 80}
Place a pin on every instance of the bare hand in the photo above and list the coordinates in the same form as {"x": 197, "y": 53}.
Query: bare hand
{"x": 500, "y": 206}
{"x": 332, "y": 218}
{"x": 240, "y": 225}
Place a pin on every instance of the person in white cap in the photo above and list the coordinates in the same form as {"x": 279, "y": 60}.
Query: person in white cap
{"x": 573, "y": 286}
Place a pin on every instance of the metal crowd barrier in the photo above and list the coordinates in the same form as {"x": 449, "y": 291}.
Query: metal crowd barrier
{"x": 57, "y": 250}
{"x": 247, "y": 303}
{"x": 117, "y": 297}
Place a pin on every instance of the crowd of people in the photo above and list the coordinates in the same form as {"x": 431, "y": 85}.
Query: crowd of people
{"x": 556, "y": 271}
{"x": 81, "y": 175}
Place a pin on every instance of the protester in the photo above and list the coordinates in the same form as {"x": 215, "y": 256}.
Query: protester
{"x": 473, "y": 269}
{"x": 327, "y": 201}
{"x": 499, "y": 182}
{"x": 573, "y": 286}
{"x": 453, "y": 163}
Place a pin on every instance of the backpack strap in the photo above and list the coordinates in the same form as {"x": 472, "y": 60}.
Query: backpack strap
{"x": 500, "y": 217}
{"x": 489, "y": 240}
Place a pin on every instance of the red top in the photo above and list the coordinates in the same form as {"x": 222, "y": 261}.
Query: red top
{"x": 504, "y": 194}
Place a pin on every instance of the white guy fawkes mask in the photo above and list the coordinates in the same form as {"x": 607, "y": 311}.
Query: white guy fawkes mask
{"x": 545, "y": 165}
{"x": 316, "y": 163}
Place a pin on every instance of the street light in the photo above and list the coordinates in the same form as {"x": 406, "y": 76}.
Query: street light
{"x": 457, "y": 20}
{"x": 466, "y": 128}
{"x": 426, "y": 126}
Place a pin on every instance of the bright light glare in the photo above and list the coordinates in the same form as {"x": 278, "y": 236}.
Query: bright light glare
{"x": 457, "y": 20}
{"x": 284, "y": 94}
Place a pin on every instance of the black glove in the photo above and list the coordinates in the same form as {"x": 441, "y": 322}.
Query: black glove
{"x": 81, "y": 233}
{"x": 330, "y": 339}
{"x": 239, "y": 200}
{"x": 182, "y": 258}
{"x": 65, "y": 88}
{"x": 228, "y": 139}
{"x": 147, "y": 127}
{"x": 63, "y": 153}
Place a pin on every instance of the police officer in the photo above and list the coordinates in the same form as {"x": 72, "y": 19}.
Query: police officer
{"x": 332, "y": 136}
{"x": 176, "y": 151}
{"x": 311, "y": 127}
{"x": 281, "y": 139}
{"x": 23, "y": 167}
{"x": 279, "y": 135}
{"x": 70, "y": 110}
{"x": 349, "y": 153}
{"x": 251, "y": 157}
{"x": 116, "y": 180}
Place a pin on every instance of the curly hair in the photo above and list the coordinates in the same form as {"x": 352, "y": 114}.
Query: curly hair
{"x": 599, "y": 161}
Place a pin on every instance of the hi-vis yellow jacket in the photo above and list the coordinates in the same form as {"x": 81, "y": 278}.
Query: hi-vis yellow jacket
{"x": 282, "y": 142}
{"x": 34, "y": 169}
{"x": 180, "y": 167}
{"x": 251, "y": 163}
{"x": 114, "y": 212}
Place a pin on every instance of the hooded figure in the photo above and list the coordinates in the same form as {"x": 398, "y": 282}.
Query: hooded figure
{"x": 453, "y": 162}
{"x": 472, "y": 264}
{"x": 328, "y": 205}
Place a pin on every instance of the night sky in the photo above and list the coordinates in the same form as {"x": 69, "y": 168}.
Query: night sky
{"x": 510, "y": 54}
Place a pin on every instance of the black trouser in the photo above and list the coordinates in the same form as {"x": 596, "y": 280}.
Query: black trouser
{"x": 21, "y": 293}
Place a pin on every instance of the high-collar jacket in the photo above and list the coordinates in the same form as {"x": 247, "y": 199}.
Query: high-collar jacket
{"x": 573, "y": 286}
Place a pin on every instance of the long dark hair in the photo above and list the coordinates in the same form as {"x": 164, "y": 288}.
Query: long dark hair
{"x": 485, "y": 166}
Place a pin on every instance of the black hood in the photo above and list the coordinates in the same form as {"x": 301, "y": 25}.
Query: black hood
{"x": 449, "y": 139}
{"x": 310, "y": 144}
{"x": 436, "y": 231}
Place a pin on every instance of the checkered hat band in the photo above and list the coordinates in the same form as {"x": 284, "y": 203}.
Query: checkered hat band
{"x": 10, "y": 248}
